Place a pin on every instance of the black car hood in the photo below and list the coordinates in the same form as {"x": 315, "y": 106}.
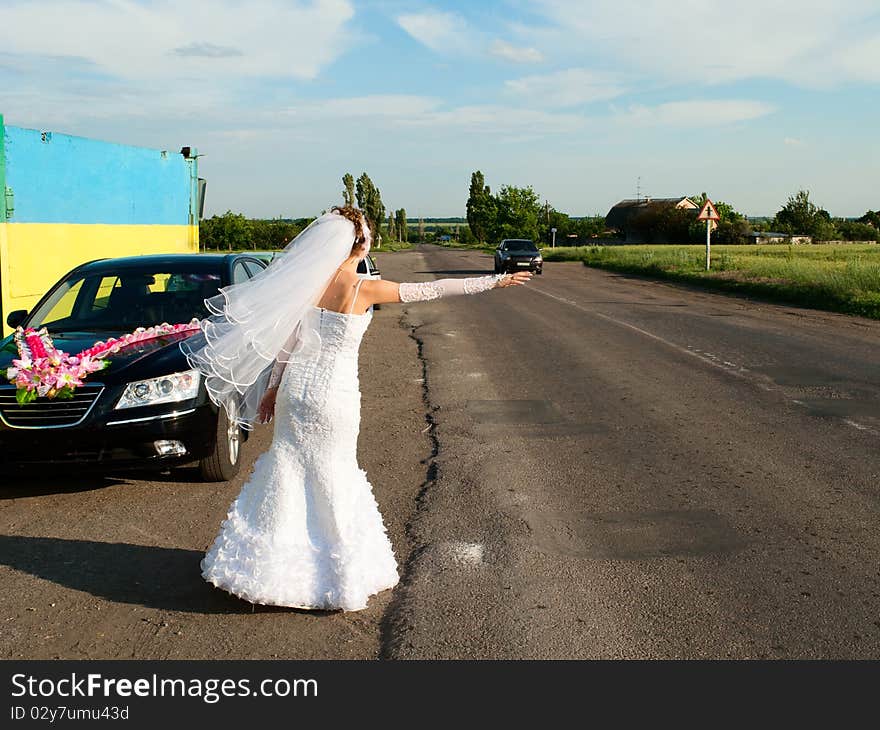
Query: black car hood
{"x": 146, "y": 359}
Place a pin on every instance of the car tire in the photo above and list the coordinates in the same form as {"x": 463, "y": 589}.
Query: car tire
{"x": 224, "y": 461}
{"x": 539, "y": 271}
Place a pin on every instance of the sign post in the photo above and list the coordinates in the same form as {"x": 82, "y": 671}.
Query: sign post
{"x": 553, "y": 231}
{"x": 710, "y": 215}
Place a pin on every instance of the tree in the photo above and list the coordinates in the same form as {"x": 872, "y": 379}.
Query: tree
{"x": 872, "y": 217}
{"x": 733, "y": 228}
{"x": 231, "y": 231}
{"x": 856, "y": 230}
{"x": 481, "y": 208}
{"x": 369, "y": 200}
{"x": 348, "y": 192}
{"x": 551, "y": 218}
{"x": 518, "y": 211}
{"x": 589, "y": 226}
{"x": 725, "y": 210}
{"x": 392, "y": 232}
{"x": 421, "y": 230}
{"x": 402, "y": 227}
{"x": 801, "y": 215}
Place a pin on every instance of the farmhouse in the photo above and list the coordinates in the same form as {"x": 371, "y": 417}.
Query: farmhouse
{"x": 622, "y": 216}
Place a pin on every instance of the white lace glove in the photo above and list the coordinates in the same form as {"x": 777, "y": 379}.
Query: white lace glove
{"x": 420, "y": 291}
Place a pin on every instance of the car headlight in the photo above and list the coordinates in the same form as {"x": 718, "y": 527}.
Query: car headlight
{"x": 165, "y": 389}
{"x": 537, "y": 258}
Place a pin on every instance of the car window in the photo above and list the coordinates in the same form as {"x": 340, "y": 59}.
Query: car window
{"x": 253, "y": 267}
{"x": 128, "y": 299}
{"x": 64, "y": 302}
{"x": 523, "y": 245}
{"x": 362, "y": 267}
{"x": 239, "y": 273}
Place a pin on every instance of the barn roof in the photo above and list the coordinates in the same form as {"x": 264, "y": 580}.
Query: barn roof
{"x": 621, "y": 213}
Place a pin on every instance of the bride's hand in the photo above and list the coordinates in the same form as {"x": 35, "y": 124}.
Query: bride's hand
{"x": 518, "y": 278}
{"x": 266, "y": 409}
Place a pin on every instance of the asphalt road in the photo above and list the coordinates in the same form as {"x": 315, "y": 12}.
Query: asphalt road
{"x": 630, "y": 469}
{"x": 593, "y": 465}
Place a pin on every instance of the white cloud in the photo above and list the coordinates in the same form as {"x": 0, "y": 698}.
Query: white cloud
{"x": 439, "y": 31}
{"x": 514, "y": 53}
{"x": 811, "y": 42}
{"x": 696, "y": 113}
{"x": 499, "y": 120}
{"x": 430, "y": 113}
{"x": 381, "y": 106}
{"x": 186, "y": 43}
{"x": 861, "y": 60}
{"x": 570, "y": 87}
{"x": 792, "y": 142}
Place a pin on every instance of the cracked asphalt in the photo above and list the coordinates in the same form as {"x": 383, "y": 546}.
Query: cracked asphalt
{"x": 593, "y": 465}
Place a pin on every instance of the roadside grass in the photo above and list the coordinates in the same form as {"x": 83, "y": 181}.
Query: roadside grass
{"x": 390, "y": 247}
{"x": 485, "y": 248}
{"x": 836, "y": 277}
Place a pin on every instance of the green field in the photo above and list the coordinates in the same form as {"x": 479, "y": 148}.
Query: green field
{"x": 836, "y": 277}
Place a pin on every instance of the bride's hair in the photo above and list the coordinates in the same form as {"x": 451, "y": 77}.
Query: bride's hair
{"x": 356, "y": 216}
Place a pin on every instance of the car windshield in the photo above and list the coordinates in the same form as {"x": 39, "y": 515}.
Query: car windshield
{"x": 520, "y": 245}
{"x": 125, "y": 300}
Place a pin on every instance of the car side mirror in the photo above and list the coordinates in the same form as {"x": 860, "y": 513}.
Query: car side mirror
{"x": 15, "y": 318}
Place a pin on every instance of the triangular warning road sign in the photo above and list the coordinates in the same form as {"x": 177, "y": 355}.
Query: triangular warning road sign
{"x": 708, "y": 212}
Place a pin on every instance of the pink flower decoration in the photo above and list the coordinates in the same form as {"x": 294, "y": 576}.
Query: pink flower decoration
{"x": 43, "y": 368}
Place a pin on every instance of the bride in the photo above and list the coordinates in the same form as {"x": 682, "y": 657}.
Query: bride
{"x": 305, "y": 530}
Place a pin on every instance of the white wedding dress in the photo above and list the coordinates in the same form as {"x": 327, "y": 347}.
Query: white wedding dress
{"x": 305, "y": 531}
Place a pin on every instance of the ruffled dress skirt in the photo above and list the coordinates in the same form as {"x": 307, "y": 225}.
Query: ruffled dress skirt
{"x": 305, "y": 531}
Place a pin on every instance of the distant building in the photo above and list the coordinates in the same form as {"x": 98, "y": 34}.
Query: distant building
{"x": 621, "y": 216}
{"x": 771, "y": 237}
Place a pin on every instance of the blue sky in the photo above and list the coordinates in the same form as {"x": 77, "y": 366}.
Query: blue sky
{"x": 749, "y": 101}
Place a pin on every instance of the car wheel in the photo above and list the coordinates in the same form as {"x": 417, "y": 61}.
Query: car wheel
{"x": 539, "y": 271}
{"x": 224, "y": 461}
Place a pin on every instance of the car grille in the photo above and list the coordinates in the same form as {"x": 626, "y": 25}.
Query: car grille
{"x": 46, "y": 412}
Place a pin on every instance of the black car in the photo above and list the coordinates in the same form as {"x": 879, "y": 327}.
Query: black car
{"x": 148, "y": 408}
{"x": 518, "y": 254}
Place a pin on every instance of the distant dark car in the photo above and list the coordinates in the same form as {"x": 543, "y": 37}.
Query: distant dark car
{"x": 148, "y": 408}
{"x": 518, "y": 254}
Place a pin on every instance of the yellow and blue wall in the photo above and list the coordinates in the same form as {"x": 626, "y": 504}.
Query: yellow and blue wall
{"x": 66, "y": 200}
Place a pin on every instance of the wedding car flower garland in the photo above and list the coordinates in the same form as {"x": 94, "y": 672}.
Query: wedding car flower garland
{"x": 42, "y": 370}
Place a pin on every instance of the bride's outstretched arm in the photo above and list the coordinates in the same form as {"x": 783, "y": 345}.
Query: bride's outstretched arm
{"x": 384, "y": 291}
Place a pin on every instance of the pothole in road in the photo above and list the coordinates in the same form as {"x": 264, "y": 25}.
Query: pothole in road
{"x": 514, "y": 411}
{"x": 635, "y": 535}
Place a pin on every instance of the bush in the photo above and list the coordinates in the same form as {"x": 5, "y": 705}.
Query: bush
{"x": 855, "y": 231}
